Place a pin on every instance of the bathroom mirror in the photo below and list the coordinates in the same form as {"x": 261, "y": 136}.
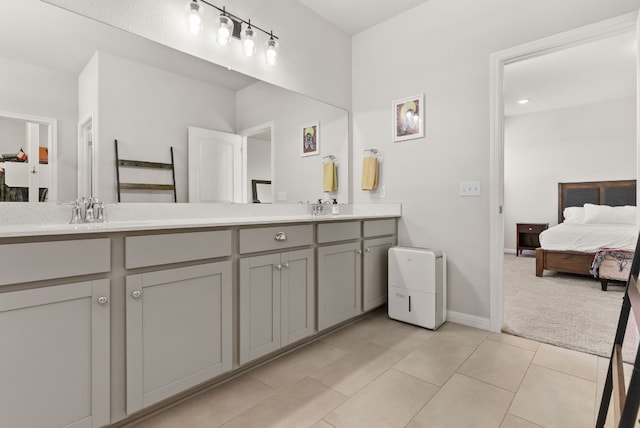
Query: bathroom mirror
{"x": 102, "y": 84}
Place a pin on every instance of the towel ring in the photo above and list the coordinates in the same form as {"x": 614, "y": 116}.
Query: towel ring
{"x": 329, "y": 158}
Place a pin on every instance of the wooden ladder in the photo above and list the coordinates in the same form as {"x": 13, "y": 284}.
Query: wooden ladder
{"x": 143, "y": 164}
{"x": 625, "y": 402}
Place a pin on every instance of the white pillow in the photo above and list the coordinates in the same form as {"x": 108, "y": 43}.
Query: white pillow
{"x": 604, "y": 214}
{"x": 573, "y": 215}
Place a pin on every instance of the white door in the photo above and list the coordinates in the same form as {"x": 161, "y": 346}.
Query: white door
{"x": 215, "y": 166}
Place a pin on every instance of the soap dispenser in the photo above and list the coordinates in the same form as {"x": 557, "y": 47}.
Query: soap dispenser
{"x": 335, "y": 208}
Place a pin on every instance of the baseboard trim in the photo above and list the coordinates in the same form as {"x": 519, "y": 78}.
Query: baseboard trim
{"x": 509, "y": 250}
{"x": 469, "y": 320}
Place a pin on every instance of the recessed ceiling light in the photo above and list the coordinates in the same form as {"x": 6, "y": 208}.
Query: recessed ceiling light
{"x": 524, "y": 101}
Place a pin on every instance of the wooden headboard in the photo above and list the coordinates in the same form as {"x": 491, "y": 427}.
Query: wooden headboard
{"x": 613, "y": 193}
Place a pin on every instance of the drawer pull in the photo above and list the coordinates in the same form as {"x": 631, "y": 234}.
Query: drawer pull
{"x": 102, "y": 300}
{"x": 136, "y": 294}
{"x": 281, "y": 236}
{"x": 531, "y": 228}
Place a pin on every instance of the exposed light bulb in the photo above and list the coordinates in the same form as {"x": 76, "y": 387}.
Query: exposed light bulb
{"x": 272, "y": 52}
{"x": 248, "y": 43}
{"x": 194, "y": 17}
{"x": 224, "y": 31}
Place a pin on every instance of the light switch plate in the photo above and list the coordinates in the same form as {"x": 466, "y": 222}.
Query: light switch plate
{"x": 469, "y": 188}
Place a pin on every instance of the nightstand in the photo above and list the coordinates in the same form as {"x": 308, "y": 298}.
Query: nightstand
{"x": 527, "y": 236}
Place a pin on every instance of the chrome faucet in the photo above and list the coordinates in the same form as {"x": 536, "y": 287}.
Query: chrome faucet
{"x": 87, "y": 210}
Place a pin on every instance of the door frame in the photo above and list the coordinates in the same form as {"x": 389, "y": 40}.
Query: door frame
{"x": 498, "y": 60}
{"x": 246, "y": 133}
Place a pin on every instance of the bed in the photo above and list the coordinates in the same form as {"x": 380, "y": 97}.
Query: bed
{"x": 565, "y": 257}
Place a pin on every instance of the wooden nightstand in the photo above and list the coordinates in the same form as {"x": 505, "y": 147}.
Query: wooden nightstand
{"x": 527, "y": 236}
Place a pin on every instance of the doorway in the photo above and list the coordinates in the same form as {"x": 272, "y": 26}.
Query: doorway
{"x": 608, "y": 28}
{"x": 258, "y": 164}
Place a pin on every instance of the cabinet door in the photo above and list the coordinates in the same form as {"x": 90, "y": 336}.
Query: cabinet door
{"x": 55, "y": 356}
{"x": 259, "y": 306}
{"x": 178, "y": 330}
{"x": 339, "y": 283}
{"x": 297, "y": 312}
{"x": 375, "y": 274}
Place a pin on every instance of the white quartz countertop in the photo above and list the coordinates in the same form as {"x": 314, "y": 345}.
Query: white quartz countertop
{"x": 183, "y": 221}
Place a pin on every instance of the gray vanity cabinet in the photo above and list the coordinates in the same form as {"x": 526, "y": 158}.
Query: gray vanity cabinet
{"x": 54, "y": 356}
{"x": 375, "y": 273}
{"x": 339, "y": 283}
{"x": 276, "y": 301}
{"x": 179, "y": 330}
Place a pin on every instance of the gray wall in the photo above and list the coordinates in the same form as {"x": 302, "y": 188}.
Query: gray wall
{"x": 38, "y": 91}
{"x": 442, "y": 48}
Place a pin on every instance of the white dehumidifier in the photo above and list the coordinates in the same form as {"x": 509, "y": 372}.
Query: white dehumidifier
{"x": 418, "y": 286}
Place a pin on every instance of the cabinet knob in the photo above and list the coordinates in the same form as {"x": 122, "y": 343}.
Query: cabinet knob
{"x": 278, "y": 267}
{"x": 531, "y": 228}
{"x": 368, "y": 250}
{"x": 136, "y": 294}
{"x": 281, "y": 236}
{"x": 358, "y": 251}
{"x": 286, "y": 265}
{"x": 102, "y": 300}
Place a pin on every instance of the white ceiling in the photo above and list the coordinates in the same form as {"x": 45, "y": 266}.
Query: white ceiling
{"x": 354, "y": 16}
{"x": 584, "y": 74}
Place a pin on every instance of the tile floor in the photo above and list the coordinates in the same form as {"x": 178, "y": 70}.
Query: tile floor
{"x": 383, "y": 373}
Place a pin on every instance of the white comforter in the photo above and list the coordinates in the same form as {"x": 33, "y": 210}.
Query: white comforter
{"x": 589, "y": 237}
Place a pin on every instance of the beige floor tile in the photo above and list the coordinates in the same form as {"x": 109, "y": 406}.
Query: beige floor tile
{"x": 358, "y": 368}
{"x": 520, "y": 342}
{"x": 553, "y": 399}
{"x": 436, "y": 360}
{"x": 401, "y": 337}
{"x": 292, "y": 367}
{"x": 322, "y": 424}
{"x": 464, "y": 402}
{"x": 300, "y": 405}
{"x": 214, "y": 407}
{"x": 390, "y": 401}
{"x": 462, "y": 334}
{"x": 511, "y": 421}
{"x": 358, "y": 333}
{"x": 498, "y": 364}
{"x": 567, "y": 361}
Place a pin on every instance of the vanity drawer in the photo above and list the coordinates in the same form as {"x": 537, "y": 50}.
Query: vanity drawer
{"x": 36, "y": 261}
{"x": 379, "y": 227}
{"x": 275, "y": 238}
{"x": 153, "y": 250}
{"x": 343, "y": 231}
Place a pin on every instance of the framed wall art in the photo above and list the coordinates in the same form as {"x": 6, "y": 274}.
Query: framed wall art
{"x": 408, "y": 118}
{"x": 311, "y": 139}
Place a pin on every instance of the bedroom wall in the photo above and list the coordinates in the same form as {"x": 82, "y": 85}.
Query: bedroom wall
{"x": 39, "y": 91}
{"x": 586, "y": 143}
{"x": 442, "y": 48}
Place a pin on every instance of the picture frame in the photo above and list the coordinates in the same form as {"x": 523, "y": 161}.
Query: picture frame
{"x": 310, "y": 139}
{"x": 408, "y": 118}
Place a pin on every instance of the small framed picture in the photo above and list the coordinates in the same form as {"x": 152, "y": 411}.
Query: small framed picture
{"x": 311, "y": 139}
{"x": 408, "y": 118}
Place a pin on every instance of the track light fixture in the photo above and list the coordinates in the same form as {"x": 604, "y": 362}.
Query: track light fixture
{"x": 230, "y": 25}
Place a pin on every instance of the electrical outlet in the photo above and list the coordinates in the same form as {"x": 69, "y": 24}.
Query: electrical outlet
{"x": 469, "y": 188}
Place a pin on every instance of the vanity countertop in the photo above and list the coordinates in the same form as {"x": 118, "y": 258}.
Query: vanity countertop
{"x": 184, "y": 222}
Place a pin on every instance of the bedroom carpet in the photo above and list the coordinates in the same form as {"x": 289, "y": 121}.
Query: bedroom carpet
{"x": 566, "y": 310}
